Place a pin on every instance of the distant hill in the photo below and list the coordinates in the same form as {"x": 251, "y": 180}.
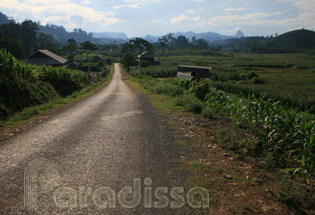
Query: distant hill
{"x": 299, "y": 39}
{"x": 111, "y": 35}
{"x": 293, "y": 41}
{"x": 4, "y": 19}
{"x": 207, "y": 36}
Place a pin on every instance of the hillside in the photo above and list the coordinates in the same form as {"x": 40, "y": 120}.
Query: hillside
{"x": 300, "y": 39}
{"x": 290, "y": 42}
{"x": 4, "y": 19}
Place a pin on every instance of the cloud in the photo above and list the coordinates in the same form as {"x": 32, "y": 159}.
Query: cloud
{"x": 305, "y": 14}
{"x": 87, "y": 2}
{"x": 129, "y": 5}
{"x": 127, "y": 1}
{"x": 190, "y": 11}
{"x": 182, "y": 18}
{"x": 51, "y": 11}
{"x": 234, "y": 9}
{"x": 250, "y": 19}
{"x": 199, "y": 0}
{"x": 234, "y": 30}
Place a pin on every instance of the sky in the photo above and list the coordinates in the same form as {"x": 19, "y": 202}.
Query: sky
{"x": 159, "y": 17}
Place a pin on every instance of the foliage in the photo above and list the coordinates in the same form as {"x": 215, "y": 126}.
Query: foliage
{"x": 93, "y": 67}
{"x": 284, "y": 136}
{"x": 28, "y": 36}
{"x": 19, "y": 87}
{"x": 289, "y": 137}
{"x": 12, "y": 46}
{"x": 155, "y": 71}
{"x": 165, "y": 87}
{"x": 128, "y": 56}
{"x": 190, "y": 102}
{"x": 23, "y": 85}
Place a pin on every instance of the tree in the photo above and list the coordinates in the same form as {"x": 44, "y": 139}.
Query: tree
{"x": 70, "y": 48}
{"x": 141, "y": 45}
{"x": 181, "y": 42}
{"x": 88, "y": 47}
{"x": 12, "y": 46}
{"x": 45, "y": 41}
{"x": 132, "y": 49}
{"x": 128, "y": 56}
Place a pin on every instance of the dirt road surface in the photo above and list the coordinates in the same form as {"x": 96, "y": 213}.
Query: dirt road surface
{"x": 67, "y": 164}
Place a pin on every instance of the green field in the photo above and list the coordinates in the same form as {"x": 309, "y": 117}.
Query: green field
{"x": 286, "y": 76}
{"x": 268, "y": 94}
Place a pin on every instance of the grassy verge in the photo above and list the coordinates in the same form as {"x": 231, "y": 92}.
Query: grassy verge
{"x": 215, "y": 169}
{"x": 29, "y": 113}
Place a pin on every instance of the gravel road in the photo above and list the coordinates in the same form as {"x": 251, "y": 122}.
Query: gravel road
{"x": 79, "y": 161}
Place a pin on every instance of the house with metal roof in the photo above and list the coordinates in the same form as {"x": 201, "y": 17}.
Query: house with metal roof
{"x": 147, "y": 57}
{"x": 97, "y": 58}
{"x": 46, "y": 57}
{"x": 193, "y": 72}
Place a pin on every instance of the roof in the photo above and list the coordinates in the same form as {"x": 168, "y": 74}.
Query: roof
{"x": 98, "y": 57}
{"x": 51, "y": 55}
{"x": 145, "y": 54}
{"x": 195, "y": 67}
{"x": 186, "y": 76}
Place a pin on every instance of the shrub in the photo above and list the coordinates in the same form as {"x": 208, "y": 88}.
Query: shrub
{"x": 201, "y": 90}
{"x": 190, "y": 102}
{"x": 168, "y": 89}
{"x": 258, "y": 80}
{"x": 207, "y": 112}
{"x": 144, "y": 63}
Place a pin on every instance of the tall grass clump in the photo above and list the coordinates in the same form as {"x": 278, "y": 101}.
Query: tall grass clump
{"x": 155, "y": 71}
{"x": 23, "y": 85}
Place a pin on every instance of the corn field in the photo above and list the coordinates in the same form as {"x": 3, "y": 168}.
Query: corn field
{"x": 23, "y": 85}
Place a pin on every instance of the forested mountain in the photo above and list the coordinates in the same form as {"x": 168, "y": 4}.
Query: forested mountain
{"x": 61, "y": 35}
{"x": 27, "y": 36}
{"x": 4, "y": 19}
{"x": 300, "y": 39}
{"x": 293, "y": 41}
{"x": 111, "y": 35}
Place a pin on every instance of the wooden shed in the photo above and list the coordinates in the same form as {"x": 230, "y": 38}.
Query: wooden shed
{"x": 193, "y": 72}
{"x": 147, "y": 57}
{"x": 97, "y": 58}
{"x": 48, "y": 58}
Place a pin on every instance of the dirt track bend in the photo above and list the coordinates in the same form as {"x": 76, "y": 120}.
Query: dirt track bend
{"x": 106, "y": 140}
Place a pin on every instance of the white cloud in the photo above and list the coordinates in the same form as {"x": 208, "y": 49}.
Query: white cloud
{"x": 87, "y": 2}
{"x": 234, "y": 30}
{"x": 59, "y": 8}
{"x": 182, "y": 18}
{"x": 251, "y": 19}
{"x": 199, "y": 0}
{"x": 129, "y": 5}
{"x": 234, "y": 9}
{"x": 190, "y": 11}
{"x": 202, "y": 9}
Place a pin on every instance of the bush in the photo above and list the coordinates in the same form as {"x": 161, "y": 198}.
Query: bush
{"x": 190, "y": 102}
{"x": 168, "y": 89}
{"x": 144, "y": 63}
{"x": 258, "y": 80}
{"x": 23, "y": 85}
{"x": 201, "y": 90}
{"x": 207, "y": 112}
{"x": 155, "y": 71}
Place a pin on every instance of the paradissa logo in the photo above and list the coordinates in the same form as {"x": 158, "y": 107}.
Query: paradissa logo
{"x": 127, "y": 197}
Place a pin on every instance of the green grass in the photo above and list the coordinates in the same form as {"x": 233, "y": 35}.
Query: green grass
{"x": 289, "y": 77}
{"x": 28, "y": 113}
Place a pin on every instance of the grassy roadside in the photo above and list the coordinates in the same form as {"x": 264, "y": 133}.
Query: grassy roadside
{"x": 29, "y": 113}
{"x": 238, "y": 182}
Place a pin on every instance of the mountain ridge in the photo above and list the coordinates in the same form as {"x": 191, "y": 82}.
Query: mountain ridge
{"x": 208, "y": 36}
